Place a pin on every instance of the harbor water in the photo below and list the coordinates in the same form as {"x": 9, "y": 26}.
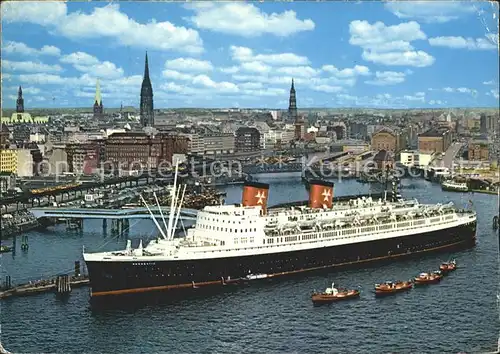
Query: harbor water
{"x": 458, "y": 315}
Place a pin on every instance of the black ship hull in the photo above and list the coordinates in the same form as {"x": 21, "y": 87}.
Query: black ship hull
{"x": 115, "y": 278}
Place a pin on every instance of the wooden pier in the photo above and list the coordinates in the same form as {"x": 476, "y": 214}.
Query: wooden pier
{"x": 61, "y": 284}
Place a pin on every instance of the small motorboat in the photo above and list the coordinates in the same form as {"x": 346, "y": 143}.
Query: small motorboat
{"x": 4, "y": 249}
{"x": 390, "y": 287}
{"x": 333, "y": 294}
{"x": 256, "y": 276}
{"x": 429, "y": 278}
{"x": 448, "y": 266}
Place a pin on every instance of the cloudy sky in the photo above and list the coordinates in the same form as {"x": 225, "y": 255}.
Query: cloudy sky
{"x": 341, "y": 54}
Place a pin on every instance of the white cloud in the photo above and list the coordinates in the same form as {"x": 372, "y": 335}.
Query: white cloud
{"x": 430, "y": 11}
{"x": 460, "y": 90}
{"x": 26, "y": 90}
{"x": 298, "y": 71}
{"x": 41, "y": 13}
{"x": 464, "y": 43}
{"x": 436, "y": 102}
{"x": 389, "y": 45}
{"x": 251, "y": 85}
{"x": 123, "y": 86}
{"x": 246, "y": 20}
{"x": 224, "y": 86}
{"x": 327, "y": 88}
{"x": 347, "y": 72}
{"x": 410, "y": 58}
{"x": 419, "y": 96}
{"x": 380, "y": 37}
{"x": 244, "y": 54}
{"x": 230, "y": 70}
{"x": 383, "y": 78}
{"x": 29, "y": 66}
{"x": 189, "y": 64}
{"x": 79, "y": 58}
{"x": 494, "y": 93}
{"x": 11, "y": 47}
{"x": 269, "y": 91}
{"x": 124, "y": 30}
{"x": 381, "y": 100}
{"x": 491, "y": 82}
{"x": 87, "y": 63}
{"x": 45, "y": 79}
{"x": 255, "y": 66}
{"x": 105, "y": 69}
{"x": 175, "y": 75}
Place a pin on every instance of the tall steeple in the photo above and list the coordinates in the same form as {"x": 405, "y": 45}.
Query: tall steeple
{"x": 98, "y": 99}
{"x": 98, "y": 108}
{"x": 293, "y": 115}
{"x": 146, "y": 105}
{"x": 292, "y": 107}
{"x": 20, "y": 101}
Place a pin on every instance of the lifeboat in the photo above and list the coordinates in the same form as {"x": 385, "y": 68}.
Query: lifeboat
{"x": 390, "y": 287}
{"x": 333, "y": 294}
{"x": 448, "y": 266}
{"x": 429, "y": 278}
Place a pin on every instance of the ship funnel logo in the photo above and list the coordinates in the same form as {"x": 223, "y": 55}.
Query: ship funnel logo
{"x": 255, "y": 194}
{"x": 320, "y": 194}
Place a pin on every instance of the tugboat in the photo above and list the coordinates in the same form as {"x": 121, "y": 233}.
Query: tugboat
{"x": 453, "y": 186}
{"x": 333, "y": 294}
{"x": 390, "y": 287}
{"x": 429, "y": 278}
{"x": 448, "y": 267}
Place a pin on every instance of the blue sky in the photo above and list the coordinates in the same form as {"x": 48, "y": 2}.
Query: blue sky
{"x": 341, "y": 54}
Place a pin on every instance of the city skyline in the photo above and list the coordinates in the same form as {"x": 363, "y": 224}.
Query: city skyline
{"x": 373, "y": 55}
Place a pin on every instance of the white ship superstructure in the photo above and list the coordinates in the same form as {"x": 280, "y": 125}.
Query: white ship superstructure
{"x": 240, "y": 241}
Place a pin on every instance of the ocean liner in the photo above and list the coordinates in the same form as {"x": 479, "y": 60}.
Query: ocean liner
{"x": 248, "y": 241}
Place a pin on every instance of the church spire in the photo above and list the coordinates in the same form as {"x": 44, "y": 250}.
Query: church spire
{"x": 146, "y": 104}
{"x": 98, "y": 108}
{"x": 146, "y": 68}
{"x": 20, "y": 101}
{"x": 292, "y": 107}
{"x": 98, "y": 99}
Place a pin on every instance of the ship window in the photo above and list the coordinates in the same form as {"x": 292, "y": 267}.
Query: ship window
{"x": 230, "y": 230}
{"x": 246, "y": 230}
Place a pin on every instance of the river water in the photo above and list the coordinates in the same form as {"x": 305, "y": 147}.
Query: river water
{"x": 459, "y": 314}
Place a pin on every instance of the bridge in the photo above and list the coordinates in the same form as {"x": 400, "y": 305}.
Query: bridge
{"x": 118, "y": 214}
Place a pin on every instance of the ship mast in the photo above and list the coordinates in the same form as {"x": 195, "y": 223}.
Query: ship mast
{"x": 178, "y": 211}
{"x": 161, "y": 211}
{"x": 153, "y": 217}
{"x": 172, "y": 202}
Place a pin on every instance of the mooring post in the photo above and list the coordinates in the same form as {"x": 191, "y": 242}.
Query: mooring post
{"x": 63, "y": 284}
{"x": 7, "y": 282}
{"x": 77, "y": 269}
{"x": 24, "y": 243}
